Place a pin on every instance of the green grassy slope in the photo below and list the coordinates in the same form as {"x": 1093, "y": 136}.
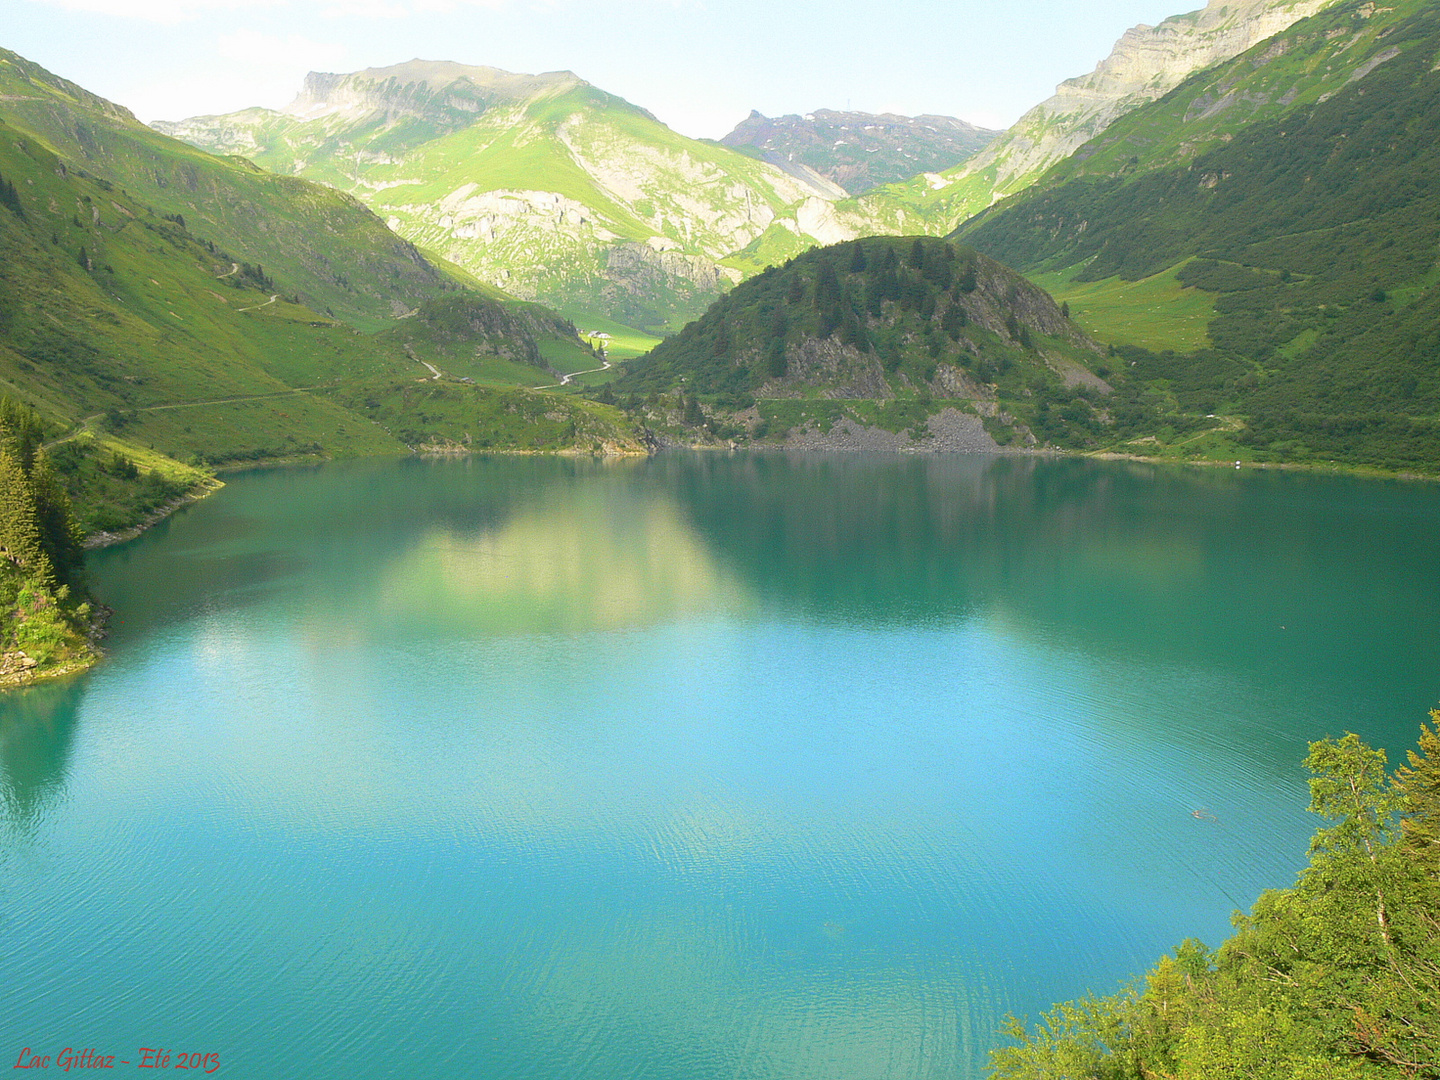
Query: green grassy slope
{"x": 119, "y": 325}
{"x": 550, "y": 189}
{"x": 111, "y": 312}
{"x": 1312, "y": 228}
{"x": 317, "y": 244}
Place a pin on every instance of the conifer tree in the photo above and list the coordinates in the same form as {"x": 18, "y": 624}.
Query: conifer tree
{"x": 10, "y": 197}
{"x": 827, "y": 286}
{"x": 776, "y": 362}
{"x": 60, "y": 533}
{"x": 20, "y": 537}
{"x": 967, "y": 282}
{"x": 1418, "y": 782}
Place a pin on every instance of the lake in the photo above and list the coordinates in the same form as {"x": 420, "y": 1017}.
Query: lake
{"x": 740, "y": 766}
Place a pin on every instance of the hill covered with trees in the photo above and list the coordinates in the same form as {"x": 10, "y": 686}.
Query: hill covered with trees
{"x": 916, "y": 323}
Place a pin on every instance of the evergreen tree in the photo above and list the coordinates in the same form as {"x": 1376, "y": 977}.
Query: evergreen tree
{"x": 954, "y": 320}
{"x": 10, "y": 198}
{"x": 60, "y": 534}
{"x": 779, "y": 325}
{"x": 1418, "y": 782}
{"x": 875, "y": 297}
{"x": 20, "y": 538}
{"x": 967, "y": 282}
{"x": 777, "y": 364}
{"x": 857, "y": 258}
{"x": 827, "y": 286}
{"x": 917, "y": 254}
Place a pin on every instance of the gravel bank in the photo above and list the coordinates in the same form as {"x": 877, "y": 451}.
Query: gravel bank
{"x": 950, "y": 432}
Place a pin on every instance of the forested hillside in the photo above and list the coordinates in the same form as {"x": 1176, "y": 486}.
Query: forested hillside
{"x": 917, "y": 322}
{"x": 1314, "y": 232}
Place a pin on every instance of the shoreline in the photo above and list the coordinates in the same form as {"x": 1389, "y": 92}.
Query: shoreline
{"x": 103, "y": 539}
{"x": 26, "y": 677}
{"x": 18, "y": 670}
{"x": 1364, "y": 472}
{"x": 1367, "y": 472}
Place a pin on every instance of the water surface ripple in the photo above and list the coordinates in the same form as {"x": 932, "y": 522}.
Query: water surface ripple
{"x": 701, "y": 767}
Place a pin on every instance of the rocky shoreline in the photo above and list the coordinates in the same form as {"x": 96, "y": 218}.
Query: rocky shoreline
{"x": 949, "y": 431}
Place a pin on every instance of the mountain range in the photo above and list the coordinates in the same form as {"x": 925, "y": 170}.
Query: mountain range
{"x": 1247, "y": 232}
{"x": 857, "y": 150}
{"x": 542, "y": 185}
{"x": 553, "y": 190}
{"x": 1145, "y": 65}
{"x": 163, "y": 310}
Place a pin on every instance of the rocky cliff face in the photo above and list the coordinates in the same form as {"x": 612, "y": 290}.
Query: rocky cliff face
{"x": 424, "y": 89}
{"x": 859, "y": 151}
{"x": 1146, "y": 64}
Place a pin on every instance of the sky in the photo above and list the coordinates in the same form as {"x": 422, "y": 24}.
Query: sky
{"x": 699, "y": 65}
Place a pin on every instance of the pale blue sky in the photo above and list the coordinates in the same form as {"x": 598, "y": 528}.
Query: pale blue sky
{"x": 700, "y": 65}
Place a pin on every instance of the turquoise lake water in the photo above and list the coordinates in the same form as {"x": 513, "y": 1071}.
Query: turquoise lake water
{"x": 699, "y": 767}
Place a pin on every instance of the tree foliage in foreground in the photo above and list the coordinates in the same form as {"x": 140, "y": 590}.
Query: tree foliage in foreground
{"x": 40, "y": 550}
{"x": 1337, "y": 978}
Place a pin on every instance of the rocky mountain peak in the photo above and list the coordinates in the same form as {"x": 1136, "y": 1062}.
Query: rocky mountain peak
{"x": 1145, "y": 65}
{"x": 433, "y": 89}
{"x": 860, "y": 150}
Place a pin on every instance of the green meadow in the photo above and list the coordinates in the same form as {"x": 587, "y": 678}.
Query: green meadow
{"x": 1156, "y": 312}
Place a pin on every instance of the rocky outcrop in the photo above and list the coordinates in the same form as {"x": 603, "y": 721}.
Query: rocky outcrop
{"x": 1146, "y": 64}
{"x": 639, "y": 268}
{"x": 843, "y": 370}
{"x": 949, "y": 431}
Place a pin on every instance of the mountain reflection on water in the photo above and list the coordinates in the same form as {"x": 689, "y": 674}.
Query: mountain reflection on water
{"x": 701, "y": 766}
